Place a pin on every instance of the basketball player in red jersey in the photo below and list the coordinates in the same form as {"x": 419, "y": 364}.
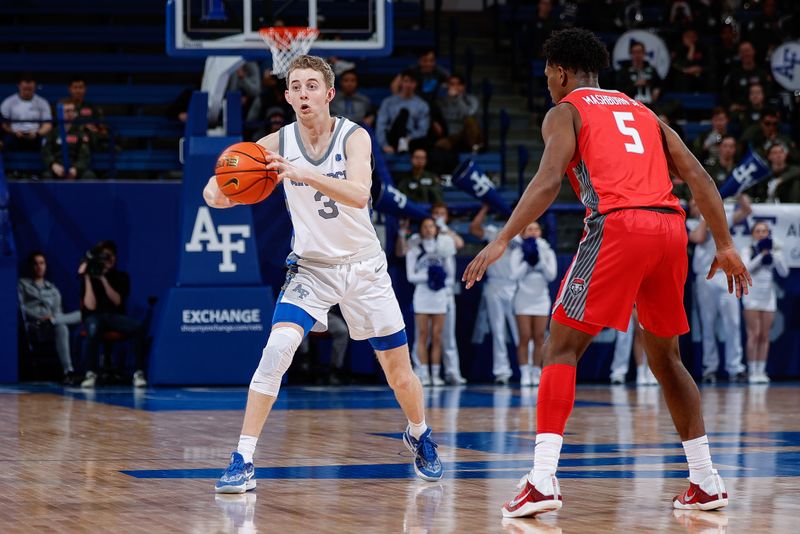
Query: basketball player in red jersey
{"x": 618, "y": 157}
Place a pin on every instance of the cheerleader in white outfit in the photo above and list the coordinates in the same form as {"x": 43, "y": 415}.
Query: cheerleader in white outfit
{"x": 762, "y": 259}
{"x": 532, "y": 300}
{"x": 430, "y": 266}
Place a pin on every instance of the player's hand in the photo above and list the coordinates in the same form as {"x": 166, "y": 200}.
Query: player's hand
{"x": 214, "y": 197}
{"x": 729, "y": 261}
{"x": 286, "y": 170}
{"x": 477, "y": 267}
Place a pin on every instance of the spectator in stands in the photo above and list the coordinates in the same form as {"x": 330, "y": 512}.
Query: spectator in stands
{"x": 765, "y": 30}
{"x": 404, "y": 118}
{"x": 104, "y": 290}
{"x": 272, "y": 94}
{"x": 784, "y": 185}
{"x": 756, "y": 104}
{"x": 538, "y": 30}
{"x": 706, "y": 146}
{"x": 535, "y": 270}
{"x": 725, "y": 162}
{"x": 763, "y": 135}
{"x": 77, "y": 139}
{"x": 637, "y": 78}
{"x": 762, "y": 257}
{"x": 727, "y": 52}
{"x": 713, "y": 299}
{"x": 351, "y": 104}
{"x": 420, "y": 184}
{"x": 741, "y": 76}
{"x": 44, "y": 318}
{"x": 275, "y": 120}
{"x": 458, "y": 128}
{"x": 429, "y": 75}
{"x": 246, "y": 80}
{"x": 430, "y": 266}
{"x": 26, "y": 117}
{"x": 691, "y": 63}
{"x": 89, "y": 116}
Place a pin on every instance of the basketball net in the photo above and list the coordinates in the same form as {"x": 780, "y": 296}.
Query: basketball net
{"x": 286, "y": 43}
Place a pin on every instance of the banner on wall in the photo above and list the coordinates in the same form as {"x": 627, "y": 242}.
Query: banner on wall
{"x": 783, "y": 219}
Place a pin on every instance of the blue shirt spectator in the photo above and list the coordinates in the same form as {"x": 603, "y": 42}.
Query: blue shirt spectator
{"x": 403, "y": 118}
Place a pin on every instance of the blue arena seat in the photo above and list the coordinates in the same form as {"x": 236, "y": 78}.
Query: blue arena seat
{"x": 108, "y": 93}
{"x": 701, "y": 101}
{"x": 122, "y": 63}
{"x": 129, "y": 160}
{"x": 81, "y": 34}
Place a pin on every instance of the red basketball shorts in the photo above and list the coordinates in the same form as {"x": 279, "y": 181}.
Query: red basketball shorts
{"x": 627, "y": 257}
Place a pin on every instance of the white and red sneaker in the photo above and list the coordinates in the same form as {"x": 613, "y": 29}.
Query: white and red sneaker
{"x": 710, "y": 494}
{"x": 534, "y": 500}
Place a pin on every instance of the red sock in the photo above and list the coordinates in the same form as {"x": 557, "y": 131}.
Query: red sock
{"x": 556, "y": 397}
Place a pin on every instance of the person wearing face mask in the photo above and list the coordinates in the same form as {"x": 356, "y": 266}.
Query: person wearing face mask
{"x": 532, "y": 300}
{"x": 430, "y": 266}
{"x": 763, "y": 258}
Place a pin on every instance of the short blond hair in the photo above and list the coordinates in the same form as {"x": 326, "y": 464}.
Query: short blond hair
{"x": 314, "y": 63}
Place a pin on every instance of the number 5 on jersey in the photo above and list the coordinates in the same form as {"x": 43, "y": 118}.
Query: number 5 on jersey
{"x": 625, "y": 116}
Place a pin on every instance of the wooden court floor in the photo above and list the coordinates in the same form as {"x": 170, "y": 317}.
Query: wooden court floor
{"x": 330, "y": 460}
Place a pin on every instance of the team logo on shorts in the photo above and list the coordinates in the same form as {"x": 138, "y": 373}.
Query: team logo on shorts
{"x": 301, "y": 292}
{"x": 577, "y": 286}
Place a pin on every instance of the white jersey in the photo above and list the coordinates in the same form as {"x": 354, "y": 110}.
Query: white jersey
{"x": 325, "y": 231}
{"x": 503, "y": 270}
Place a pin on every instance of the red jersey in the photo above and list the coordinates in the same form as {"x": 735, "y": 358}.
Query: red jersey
{"x": 620, "y": 161}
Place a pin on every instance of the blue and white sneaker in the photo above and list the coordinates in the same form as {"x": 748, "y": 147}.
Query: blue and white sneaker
{"x": 239, "y": 477}
{"x": 426, "y": 461}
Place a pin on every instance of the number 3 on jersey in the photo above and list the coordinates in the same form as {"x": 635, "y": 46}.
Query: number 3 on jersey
{"x": 329, "y": 204}
{"x": 625, "y": 116}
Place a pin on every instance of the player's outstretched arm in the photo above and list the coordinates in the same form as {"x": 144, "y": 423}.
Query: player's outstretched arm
{"x": 559, "y": 138}
{"x": 683, "y": 164}
{"x": 354, "y": 191}
{"x": 214, "y": 197}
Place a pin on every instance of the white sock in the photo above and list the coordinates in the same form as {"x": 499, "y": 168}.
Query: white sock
{"x": 545, "y": 456}
{"x": 246, "y": 447}
{"x": 525, "y": 369}
{"x": 698, "y": 456}
{"x": 436, "y": 369}
{"x": 417, "y": 429}
{"x": 761, "y": 367}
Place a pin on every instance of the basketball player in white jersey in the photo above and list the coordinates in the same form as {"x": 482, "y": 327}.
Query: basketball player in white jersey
{"x": 499, "y": 291}
{"x": 325, "y": 166}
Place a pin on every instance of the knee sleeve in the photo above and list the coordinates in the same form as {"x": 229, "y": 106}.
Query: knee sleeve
{"x": 275, "y": 360}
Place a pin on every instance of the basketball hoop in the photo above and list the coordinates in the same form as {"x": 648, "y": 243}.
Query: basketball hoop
{"x": 287, "y": 43}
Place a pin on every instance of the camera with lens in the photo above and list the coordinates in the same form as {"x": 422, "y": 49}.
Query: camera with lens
{"x": 96, "y": 261}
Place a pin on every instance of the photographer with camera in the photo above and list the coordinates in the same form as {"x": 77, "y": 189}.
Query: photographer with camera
{"x": 103, "y": 293}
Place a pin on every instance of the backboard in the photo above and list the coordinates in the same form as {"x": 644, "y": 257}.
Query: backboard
{"x": 199, "y": 28}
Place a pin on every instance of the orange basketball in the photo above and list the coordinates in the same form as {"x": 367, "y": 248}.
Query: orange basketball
{"x": 242, "y": 174}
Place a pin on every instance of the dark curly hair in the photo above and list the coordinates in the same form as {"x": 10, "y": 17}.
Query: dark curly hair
{"x": 576, "y": 49}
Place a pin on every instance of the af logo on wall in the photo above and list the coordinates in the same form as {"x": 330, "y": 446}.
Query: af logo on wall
{"x": 208, "y": 237}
